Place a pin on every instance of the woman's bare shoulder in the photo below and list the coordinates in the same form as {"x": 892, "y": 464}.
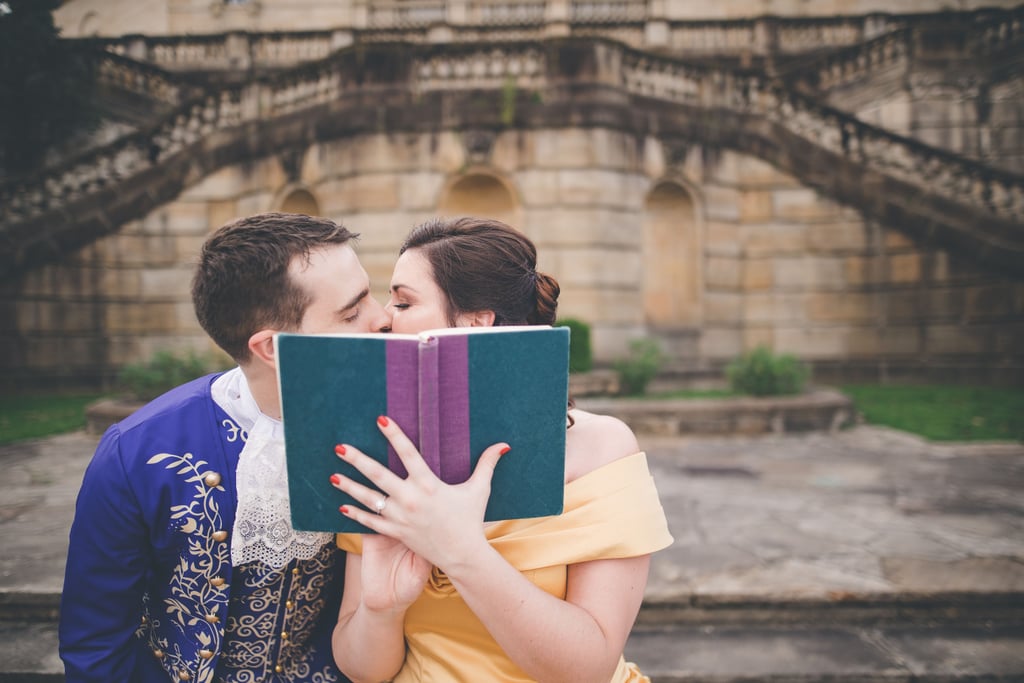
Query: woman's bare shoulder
{"x": 594, "y": 441}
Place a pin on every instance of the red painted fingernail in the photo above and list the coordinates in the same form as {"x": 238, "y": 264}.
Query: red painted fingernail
{"x": 343, "y": 509}
{"x": 383, "y": 421}
{"x": 335, "y": 479}
{"x": 339, "y": 449}
{"x": 504, "y": 450}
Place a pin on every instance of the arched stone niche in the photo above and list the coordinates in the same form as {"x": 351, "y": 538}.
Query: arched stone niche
{"x": 481, "y": 193}
{"x": 300, "y": 200}
{"x": 89, "y": 27}
{"x": 672, "y": 250}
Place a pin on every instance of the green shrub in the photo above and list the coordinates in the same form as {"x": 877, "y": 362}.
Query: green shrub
{"x": 164, "y": 371}
{"x": 763, "y": 373}
{"x": 581, "y": 358}
{"x": 639, "y": 367}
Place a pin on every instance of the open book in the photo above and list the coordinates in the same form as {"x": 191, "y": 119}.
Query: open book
{"x": 453, "y": 391}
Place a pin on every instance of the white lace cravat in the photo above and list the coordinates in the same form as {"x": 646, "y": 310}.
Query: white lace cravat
{"x": 262, "y": 530}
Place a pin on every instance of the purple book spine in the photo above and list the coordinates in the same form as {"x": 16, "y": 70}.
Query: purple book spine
{"x": 453, "y": 408}
{"x": 428, "y": 398}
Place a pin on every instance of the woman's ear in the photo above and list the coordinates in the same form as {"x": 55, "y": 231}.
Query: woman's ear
{"x": 261, "y": 345}
{"x": 476, "y": 319}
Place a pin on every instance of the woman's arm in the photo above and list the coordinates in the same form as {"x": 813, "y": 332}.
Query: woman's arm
{"x": 576, "y": 639}
{"x": 368, "y": 642}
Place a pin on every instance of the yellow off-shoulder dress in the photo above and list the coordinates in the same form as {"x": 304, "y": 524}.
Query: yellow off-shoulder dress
{"x": 611, "y": 512}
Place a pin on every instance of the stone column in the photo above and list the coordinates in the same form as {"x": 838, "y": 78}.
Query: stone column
{"x": 556, "y": 18}
{"x": 656, "y": 31}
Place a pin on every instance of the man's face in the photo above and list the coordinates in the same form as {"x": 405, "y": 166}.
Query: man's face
{"x": 340, "y": 290}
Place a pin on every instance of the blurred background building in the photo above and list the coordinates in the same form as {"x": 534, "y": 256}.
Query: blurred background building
{"x": 838, "y": 179}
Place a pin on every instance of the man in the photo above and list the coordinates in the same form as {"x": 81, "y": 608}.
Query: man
{"x": 182, "y": 564}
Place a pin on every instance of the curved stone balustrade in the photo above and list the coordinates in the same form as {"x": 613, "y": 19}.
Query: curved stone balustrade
{"x": 608, "y": 12}
{"x": 501, "y": 12}
{"x": 933, "y": 170}
{"x": 501, "y": 21}
{"x": 406, "y": 13}
{"x": 139, "y": 78}
{"x": 860, "y": 61}
{"x": 987, "y": 33}
{"x": 999, "y": 32}
{"x": 711, "y": 105}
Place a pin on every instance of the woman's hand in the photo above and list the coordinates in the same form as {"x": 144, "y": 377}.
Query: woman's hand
{"x": 392, "y": 576}
{"x": 438, "y": 522}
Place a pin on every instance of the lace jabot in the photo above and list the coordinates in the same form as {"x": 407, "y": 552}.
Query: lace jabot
{"x": 262, "y": 531}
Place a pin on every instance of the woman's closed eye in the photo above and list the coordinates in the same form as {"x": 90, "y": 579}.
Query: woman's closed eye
{"x": 400, "y": 306}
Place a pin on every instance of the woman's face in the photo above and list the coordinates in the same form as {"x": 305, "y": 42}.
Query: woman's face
{"x": 416, "y": 302}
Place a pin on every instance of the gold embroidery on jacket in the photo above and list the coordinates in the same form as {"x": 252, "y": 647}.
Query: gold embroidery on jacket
{"x": 269, "y": 597}
{"x": 194, "y": 603}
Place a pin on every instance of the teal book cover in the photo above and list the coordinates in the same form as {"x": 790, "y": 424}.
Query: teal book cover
{"x": 454, "y": 392}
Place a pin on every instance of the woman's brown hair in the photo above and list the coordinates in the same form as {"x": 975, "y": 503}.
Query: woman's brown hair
{"x": 483, "y": 264}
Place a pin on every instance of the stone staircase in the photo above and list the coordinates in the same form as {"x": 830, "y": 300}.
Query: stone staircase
{"x": 939, "y": 197}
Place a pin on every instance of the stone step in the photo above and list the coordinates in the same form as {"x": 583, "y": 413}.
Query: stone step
{"x": 28, "y": 652}
{"x": 734, "y": 653}
{"x": 740, "y": 653}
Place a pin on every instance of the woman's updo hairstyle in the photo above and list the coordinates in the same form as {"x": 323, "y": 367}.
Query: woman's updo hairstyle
{"x": 483, "y": 264}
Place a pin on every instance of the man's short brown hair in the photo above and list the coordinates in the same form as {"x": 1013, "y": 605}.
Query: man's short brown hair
{"x": 242, "y": 284}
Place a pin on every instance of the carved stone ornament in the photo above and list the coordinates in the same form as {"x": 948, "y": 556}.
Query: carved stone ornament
{"x": 478, "y": 145}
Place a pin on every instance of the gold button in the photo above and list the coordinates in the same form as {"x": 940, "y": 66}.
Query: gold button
{"x": 206, "y": 654}
{"x": 295, "y": 571}
{"x": 289, "y": 604}
{"x": 212, "y": 618}
{"x": 184, "y": 675}
{"x": 212, "y": 479}
{"x": 220, "y": 536}
{"x": 284, "y": 635}
{"x": 216, "y": 582}
{"x": 278, "y": 668}
{"x": 159, "y": 654}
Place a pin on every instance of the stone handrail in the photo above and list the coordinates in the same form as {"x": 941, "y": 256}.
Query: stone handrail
{"x": 716, "y": 98}
{"x": 994, "y": 191}
{"x": 998, "y": 33}
{"x": 498, "y": 21}
{"x": 856, "y": 62}
{"x": 140, "y": 78}
{"x": 987, "y": 33}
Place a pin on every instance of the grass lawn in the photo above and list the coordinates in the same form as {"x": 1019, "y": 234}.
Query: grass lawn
{"x": 944, "y": 413}
{"x": 27, "y": 417}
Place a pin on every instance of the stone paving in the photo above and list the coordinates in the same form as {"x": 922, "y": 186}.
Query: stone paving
{"x": 763, "y": 523}
{"x": 866, "y": 511}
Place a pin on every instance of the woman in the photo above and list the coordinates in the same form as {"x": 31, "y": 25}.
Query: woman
{"x": 440, "y": 596}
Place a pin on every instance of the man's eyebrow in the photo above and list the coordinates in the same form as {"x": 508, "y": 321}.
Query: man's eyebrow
{"x": 355, "y": 300}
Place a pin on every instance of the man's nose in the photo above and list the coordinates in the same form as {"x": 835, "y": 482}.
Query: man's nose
{"x": 380, "y": 317}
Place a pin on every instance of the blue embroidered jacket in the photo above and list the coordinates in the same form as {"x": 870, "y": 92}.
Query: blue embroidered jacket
{"x": 149, "y": 591}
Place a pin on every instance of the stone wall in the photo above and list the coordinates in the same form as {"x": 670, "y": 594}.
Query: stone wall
{"x": 78, "y": 18}
{"x": 769, "y": 261}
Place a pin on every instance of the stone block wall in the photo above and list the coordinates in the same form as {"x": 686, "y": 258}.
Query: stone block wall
{"x": 776, "y": 263}
{"x": 803, "y": 275}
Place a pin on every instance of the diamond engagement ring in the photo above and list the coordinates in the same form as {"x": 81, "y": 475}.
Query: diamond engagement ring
{"x": 380, "y": 505}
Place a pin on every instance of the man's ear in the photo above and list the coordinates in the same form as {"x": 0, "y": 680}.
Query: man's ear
{"x": 261, "y": 345}
{"x": 477, "y": 319}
